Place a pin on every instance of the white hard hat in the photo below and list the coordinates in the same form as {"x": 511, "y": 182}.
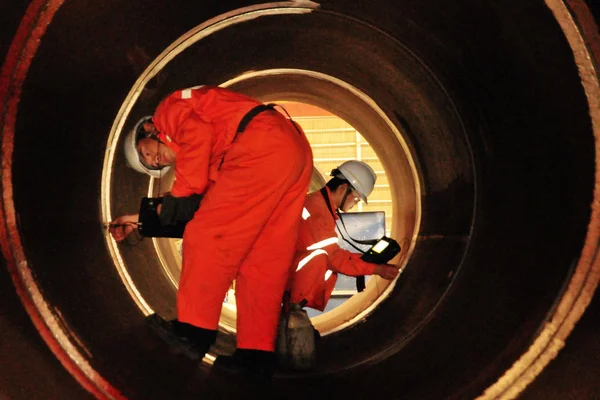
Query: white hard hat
{"x": 131, "y": 152}
{"x": 360, "y": 176}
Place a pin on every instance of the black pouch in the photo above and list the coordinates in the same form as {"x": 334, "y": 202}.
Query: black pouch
{"x": 381, "y": 252}
{"x": 150, "y": 223}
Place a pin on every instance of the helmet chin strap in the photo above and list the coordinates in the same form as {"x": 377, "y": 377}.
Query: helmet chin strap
{"x": 158, "y": 153}
{"x": 343, "y": 203}
{"x": 158, "y": 163}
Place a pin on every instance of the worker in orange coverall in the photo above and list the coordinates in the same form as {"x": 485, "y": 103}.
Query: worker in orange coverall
{"x": 251, "y": 187}
{"x": 319, "y": 258}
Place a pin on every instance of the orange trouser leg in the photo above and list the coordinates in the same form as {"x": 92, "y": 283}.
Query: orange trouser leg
{"x": 269, "y": 163}
{"x": 265, "y": 272}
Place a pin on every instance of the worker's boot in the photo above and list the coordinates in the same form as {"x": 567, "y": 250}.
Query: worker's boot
{"x": 256, "y": 365}
{"x": 182, "y": 338}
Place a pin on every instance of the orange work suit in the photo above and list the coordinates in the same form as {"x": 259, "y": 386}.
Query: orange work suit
{"x": 319, "y": 258}
{"x": 247, "y": 224}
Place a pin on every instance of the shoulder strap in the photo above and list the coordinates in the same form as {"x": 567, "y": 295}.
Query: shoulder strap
{"x": 327, "y": 202}
{"x": 360, "y": 280}
{"x": 250, "y": 115}
{"x": 246, "y": 120}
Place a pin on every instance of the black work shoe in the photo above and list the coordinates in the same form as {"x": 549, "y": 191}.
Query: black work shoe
{"x": 238, "y": 376}
{"x": 178, "y": 344}
{"x": 256, "y": 365}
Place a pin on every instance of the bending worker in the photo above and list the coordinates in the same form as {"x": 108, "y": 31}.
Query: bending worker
{"x": 252, "y": 186}
{"x": 319, "y": 258}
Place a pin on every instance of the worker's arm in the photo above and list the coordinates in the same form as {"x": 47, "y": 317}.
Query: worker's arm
{"x": 319, "y": 233}
{"x": 345, "y": 262}
{"x": 194, "y": 137}
{"x": 348, "y": 263}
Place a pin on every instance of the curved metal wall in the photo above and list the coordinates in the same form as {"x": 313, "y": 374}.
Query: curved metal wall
{"x": 498, "y": 105}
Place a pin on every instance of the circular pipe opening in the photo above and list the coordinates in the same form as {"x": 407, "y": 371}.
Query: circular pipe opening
{"x": 498, "y": 127}
{"x": 387, "y": 142}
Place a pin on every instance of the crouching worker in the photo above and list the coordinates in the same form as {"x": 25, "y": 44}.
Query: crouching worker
{"x": 319, "y": 259}
{"x": 248, "y": 168}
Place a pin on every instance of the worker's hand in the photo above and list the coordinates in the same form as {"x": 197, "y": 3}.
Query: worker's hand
{"x": 122, "y": 226}
{"x": 386, "y": 271}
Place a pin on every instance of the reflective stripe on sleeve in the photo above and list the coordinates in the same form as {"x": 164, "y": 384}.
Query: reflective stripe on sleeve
{"x": 323, "y": 243}
{"x": 328, "y": 274}
{"x": 309, "y": 257}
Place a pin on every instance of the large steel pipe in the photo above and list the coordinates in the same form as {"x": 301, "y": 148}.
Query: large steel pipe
{"x": 485, "y": 115}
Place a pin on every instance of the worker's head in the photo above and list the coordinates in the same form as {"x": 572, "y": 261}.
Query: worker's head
{"x": 352, "y": 182}
{"x": 145, "y": 152}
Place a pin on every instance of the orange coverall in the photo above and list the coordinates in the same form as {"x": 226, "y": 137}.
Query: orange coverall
{"x": 319, "y": 258}
{"x": 247, "y": 224}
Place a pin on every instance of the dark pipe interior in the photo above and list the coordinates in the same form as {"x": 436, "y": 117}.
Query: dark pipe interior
{"x": 496, "y": 119}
